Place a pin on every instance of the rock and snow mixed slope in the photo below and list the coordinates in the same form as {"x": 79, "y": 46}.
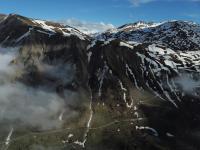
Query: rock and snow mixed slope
{"x": 162, "y": 54}
{"x": 177, "y": 35}
{"x": 145, "y": 67}
{"x": 175, "y": 42}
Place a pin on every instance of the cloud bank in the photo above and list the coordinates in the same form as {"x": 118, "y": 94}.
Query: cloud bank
{"x": 87, "y": 27}
{"x": 35, "y": 107}
{"x": 188, "y": 83}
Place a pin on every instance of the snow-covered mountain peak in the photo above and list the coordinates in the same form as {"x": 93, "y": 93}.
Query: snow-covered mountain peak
{"x": 137, "y": 25}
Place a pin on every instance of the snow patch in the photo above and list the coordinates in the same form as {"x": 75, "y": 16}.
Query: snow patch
{"x": 125, "y": 45}
{"x": 147, "y": 128}
{"x": 9, "y": 137}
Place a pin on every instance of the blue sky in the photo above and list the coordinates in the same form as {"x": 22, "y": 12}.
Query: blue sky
{"x": 117, "y": 12}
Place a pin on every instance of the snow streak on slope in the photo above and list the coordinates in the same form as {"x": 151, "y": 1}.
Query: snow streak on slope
{"x": 9, "y": 136}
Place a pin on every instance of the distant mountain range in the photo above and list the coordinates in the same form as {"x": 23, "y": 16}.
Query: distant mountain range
{"x": 140, "y": 81}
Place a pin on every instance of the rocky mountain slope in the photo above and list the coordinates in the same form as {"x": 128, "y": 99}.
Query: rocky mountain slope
{"x": 134, "y": 87}
{"x": 177, "y": 35}
{"x": 46, "y": 42}
{"x": 152, "y": 62}
{"x": 162, "y": 59}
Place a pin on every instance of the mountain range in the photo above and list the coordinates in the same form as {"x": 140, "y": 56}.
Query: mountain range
{"x": 135, "y": 87}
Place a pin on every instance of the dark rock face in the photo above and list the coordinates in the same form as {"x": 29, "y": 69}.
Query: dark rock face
{"x": 2, "y": 16}
{"x": 144, "y": 73}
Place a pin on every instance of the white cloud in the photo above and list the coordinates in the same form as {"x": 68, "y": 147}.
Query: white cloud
{"x": 39, "y": 106}
{"x": 187, "y": 83}
{"x": 88, "y": 27}
{"x": 138, "y": 2}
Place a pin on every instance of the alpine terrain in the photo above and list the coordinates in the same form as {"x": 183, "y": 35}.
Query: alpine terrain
{"x": 135, "y": 87}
